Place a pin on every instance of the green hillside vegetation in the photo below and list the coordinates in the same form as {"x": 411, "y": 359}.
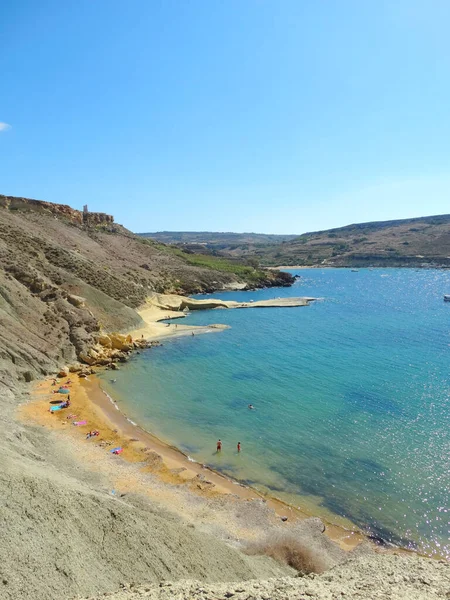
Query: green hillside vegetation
{"x": 418, "y": 242}
{"x": 246, "y": 269}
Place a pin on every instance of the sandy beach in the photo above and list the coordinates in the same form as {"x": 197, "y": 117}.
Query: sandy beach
{"x": 173, "y": 475}
{"x": 144, "y": 454}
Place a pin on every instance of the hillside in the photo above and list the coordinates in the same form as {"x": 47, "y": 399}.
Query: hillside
{"x": 216, "y": 240}
{"x": 363, "y": 578}
{"x": 418, "y": 242}
{"x": 233, "y": 246}
{"x": 65, "y": 278}
{"x": 64, "y": 275}
{"x": 421, "y": 242}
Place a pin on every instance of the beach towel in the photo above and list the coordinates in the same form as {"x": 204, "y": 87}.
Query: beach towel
{"x": 116, "y": 450}
{"x": 63, "y": 390}
{"x": 55, "y": 408}
{"x": 79, "y": 422}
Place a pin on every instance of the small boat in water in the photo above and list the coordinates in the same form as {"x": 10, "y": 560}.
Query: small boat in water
{"x": 446, "y": 297}
{"x": 355, "y": 270}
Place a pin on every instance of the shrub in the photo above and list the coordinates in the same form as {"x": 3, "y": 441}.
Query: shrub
{"x": 289, "y": 549}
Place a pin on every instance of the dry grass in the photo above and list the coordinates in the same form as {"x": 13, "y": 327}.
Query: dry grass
{"x": 287, "y": 548}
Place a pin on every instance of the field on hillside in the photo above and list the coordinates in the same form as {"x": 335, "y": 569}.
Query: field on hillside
{"x": 420, "y": 242}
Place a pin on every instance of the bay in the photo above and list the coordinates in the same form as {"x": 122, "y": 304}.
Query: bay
{"x": 351, "y": 397}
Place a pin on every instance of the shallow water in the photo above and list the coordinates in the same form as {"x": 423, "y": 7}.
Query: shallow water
{"x": 351, "y": 398}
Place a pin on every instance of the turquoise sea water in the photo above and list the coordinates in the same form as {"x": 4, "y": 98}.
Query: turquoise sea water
{"x": 351, "y": 396}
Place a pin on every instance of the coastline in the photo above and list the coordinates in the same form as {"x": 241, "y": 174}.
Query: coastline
{"x": 173, "y": 457}
{"x": 154, "y": 456}
{"x": 163, "y": 461}
{"x": 296, "y": 267}
{"x": 370, "y": 267}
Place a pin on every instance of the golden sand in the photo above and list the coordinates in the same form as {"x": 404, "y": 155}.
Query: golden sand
{"x": 90, "y": 403}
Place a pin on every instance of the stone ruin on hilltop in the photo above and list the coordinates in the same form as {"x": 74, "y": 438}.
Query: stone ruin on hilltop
{"x": 86, "y": 218}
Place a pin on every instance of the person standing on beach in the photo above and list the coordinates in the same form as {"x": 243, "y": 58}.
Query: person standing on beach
{"x": 219, "y": 446}
{"x": 239, "y": 446}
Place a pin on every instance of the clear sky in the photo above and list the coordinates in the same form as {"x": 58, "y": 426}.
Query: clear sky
{"x": 277, "y": 116}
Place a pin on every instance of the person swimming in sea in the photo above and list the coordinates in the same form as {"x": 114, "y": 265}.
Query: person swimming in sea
{"x": 219, "y": 446}
{"x": 251, "y": 407}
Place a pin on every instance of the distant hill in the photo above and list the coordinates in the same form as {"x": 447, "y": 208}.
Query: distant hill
{"x": 216, "y": 241}
{"x": 418, "y": 242}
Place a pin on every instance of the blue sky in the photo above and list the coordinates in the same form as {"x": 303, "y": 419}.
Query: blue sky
{"x": 279, "y": 116}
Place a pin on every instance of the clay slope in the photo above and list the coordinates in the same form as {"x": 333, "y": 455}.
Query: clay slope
{"x": 63, "y": 279}
{"x": 364, "y": 578}
{"x": 65, "y": 534}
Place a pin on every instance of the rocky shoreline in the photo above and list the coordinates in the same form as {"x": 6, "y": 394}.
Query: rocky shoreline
{"x": 108, "y": 350}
